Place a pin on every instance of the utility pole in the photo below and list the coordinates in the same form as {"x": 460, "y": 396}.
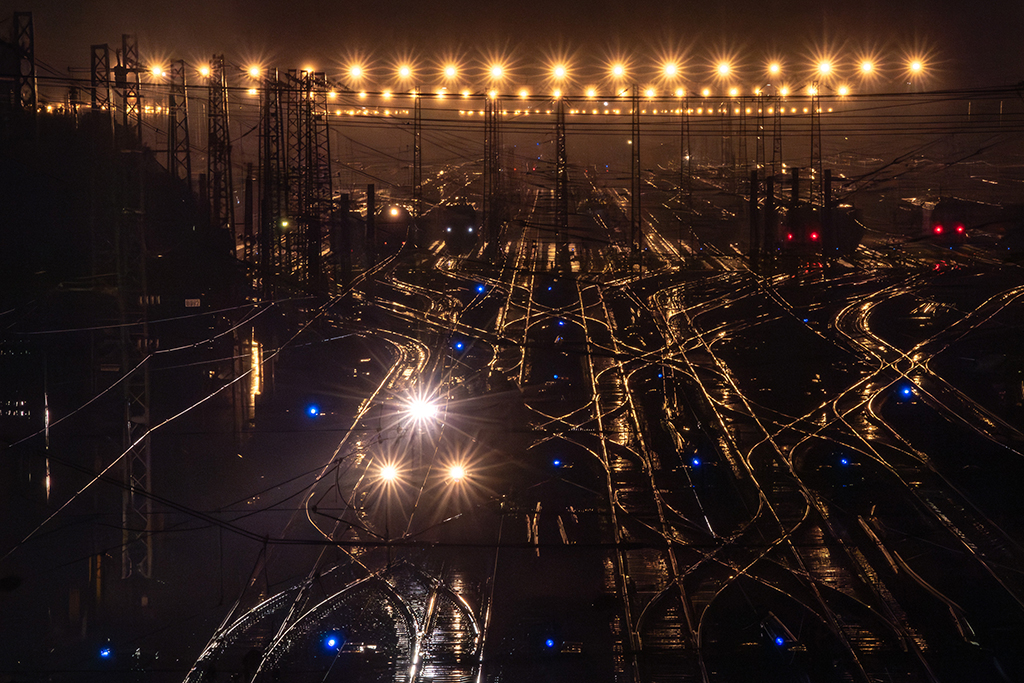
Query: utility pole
{"x": 417, "y": 156}
{"x": 777, "y": 136}
{"x": 815, "y": 183}
{"x": 561, "y": 188}
{"x": 636, "y": 236}
{"x": 492, "y": 168}
{"x": 759, "y": 151}
{"x": 742, "y": 163}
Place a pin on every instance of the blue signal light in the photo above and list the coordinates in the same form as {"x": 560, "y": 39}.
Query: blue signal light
{"x": 332, "y": 641}
{"x": 480, "y": 289}
{"x": 549, "y": 288}
{"x": 695, "y": 462}
{"x": 561, "y": 323}
{"x": 555, "y": 376}
{"x": 106, "y": 653}
{"x": 549, "y": 643}
{"x": 780, "y": 641}
{"x": 459, "y": 346}
{"x": 556, "y": 462}
{"x": 844, "y": 461}
{"x": 313, "y": 410}
{"x": 906, "y": 392}
{"x": 661, "y": 375}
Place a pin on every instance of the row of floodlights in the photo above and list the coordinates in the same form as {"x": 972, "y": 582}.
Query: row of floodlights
{"x": 823, "y": 68}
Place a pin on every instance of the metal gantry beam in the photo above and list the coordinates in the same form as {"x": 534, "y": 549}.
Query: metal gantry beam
{"x": 179, "y": 146}
{"x": 218, "y": 155}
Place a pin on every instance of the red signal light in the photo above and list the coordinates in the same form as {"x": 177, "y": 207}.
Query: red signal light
{"x": 789, "y": 236}
{"x": 960, "y": 229}
{"x": 937, "y": 229}
{"x": 814, "y": 237}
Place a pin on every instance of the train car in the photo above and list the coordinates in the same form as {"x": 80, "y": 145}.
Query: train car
{"x": 949, "y": 220}
{"x": 395, "y": 224}
{"x": 801, "y": 230}
{"x": 458, "y": 226}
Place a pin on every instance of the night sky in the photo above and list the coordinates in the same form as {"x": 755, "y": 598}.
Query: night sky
{"x": 966, "y": 44}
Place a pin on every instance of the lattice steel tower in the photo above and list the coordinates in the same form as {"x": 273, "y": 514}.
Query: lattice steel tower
{"x": 179, "y": 147}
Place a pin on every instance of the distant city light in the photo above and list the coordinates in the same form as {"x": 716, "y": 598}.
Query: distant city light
{"x": 457, "y": 472}
{"x": 254, "y": 71}
{"x": 723, "y": 68}
{"x": 388, "y": 472}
